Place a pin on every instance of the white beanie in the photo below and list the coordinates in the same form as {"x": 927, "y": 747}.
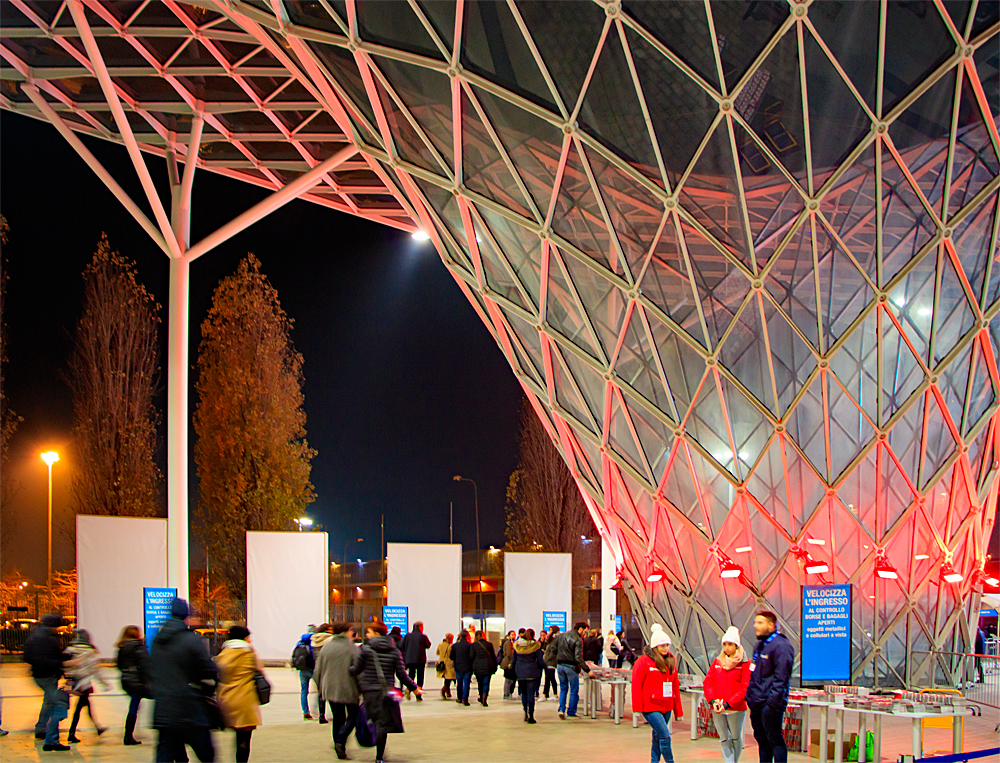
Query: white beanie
{"x": 657, "y": 637}
{"x": 731, "y": 636}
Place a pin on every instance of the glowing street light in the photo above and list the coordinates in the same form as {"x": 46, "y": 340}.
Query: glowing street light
{"x": 303, "y": 523}
{"x": 50, "y": 457}
{"x": 420, "y": 235}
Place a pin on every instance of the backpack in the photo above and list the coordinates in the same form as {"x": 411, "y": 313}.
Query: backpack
{"x": 302, "y": 658}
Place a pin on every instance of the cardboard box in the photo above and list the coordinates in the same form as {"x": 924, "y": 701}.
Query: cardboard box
{"x": 831, "y": 745}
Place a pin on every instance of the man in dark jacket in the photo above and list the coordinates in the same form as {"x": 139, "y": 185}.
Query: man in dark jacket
{"x": 43, "y": 651}
{"x": 461, "y": 655}
{"x": 569, "y": 662}
{"x": 484, "y": 665}
{"x": 414, "y": 648}
{"x": 183, "y": 674}
{"x": 767, "y": 694}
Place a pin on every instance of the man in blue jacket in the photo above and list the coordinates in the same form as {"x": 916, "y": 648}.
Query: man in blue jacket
{"x": 767, "y": 694}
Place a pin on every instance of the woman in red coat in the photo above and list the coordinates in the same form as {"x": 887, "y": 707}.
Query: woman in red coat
{"x": 656, "y": 692}
{"x": 725, "y": 688}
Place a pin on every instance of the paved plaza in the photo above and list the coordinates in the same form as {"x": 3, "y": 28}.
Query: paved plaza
{"x": 435, "y": 731}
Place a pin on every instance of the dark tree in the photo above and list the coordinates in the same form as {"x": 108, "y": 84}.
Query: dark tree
{"x": 8, "y": 418}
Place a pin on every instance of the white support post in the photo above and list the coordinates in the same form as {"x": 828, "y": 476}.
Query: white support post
{"x": 609, "y": 598}
{"x": 177, "y": 427}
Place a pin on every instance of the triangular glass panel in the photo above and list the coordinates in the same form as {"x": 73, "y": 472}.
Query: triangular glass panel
{"x": 655, "y": 437}
{"x": 924, "y": 45}
{"x": 521, "y": 247}
{"x": 583, "y": 468}
{"x": 988, "y": 70}
{"x": 792, "y": 360}
{"x": 427, "y": 95}
{"x": 498, "y": 277}
{"x": 683, "y": 28}
{"x": 953, "y": 381}
{"x": 441, "y": 14}
{"x": 901, "y": 373}
{"x": 805, "y": 488}
{"x": 742, "y": 31}
{"x": 895, "y": 495}
{"x": 611, "y": 110}
{"x": 849, "y": 429}
{"x": 912, "y": 300}
{"x": 906, "y": 224}
{"x": 683, "y": 366}
{"x": 906, "y": 437}
{"x": 634, "y": 212}
{"x": 981, "y": 394}
{"x": 980, "y": 453}
{"x": 529, "y": 340}
{"x": 533, "y": 145}
{"x": 344, "y": 71}
{"x": 770, "y": 546}
{"x": 483, "y": 168}
{"x": 604, "y": 302}
{"x": 680, "y": 110}
{"x": 591, "y": 384}
{"x": 856, "y": 364}
{"x": 567, "y": 396}
{"x": 680, "y": 488}
{"x": 806, "y": 426}
{"x": 620, "y": 437}
{"x": 716, "y": 490}
{"x": 768, "y": 485}
{"x": 954, "y": 313}
{"x": 445, "y": 204}
{"x": 773, "y": 207}
{"x": 392, "y": 23}
{"x": 791, "y": 280}
{"x": 938, "y": 444}
{"x": 711, "y": 194}
{"x": 493, "y": 47}
{"x": 637, "y": 366}
{"x": 562, "y": 311}
{"x": 849, "y": 207}
{"x": 972, "y": 243}
{"x": 974, "y": 162}
{"x": 749, "y": 426}
{"x": 722, "y": 286}
{"x": 745, "y": 354}
{"x": 844, "y": 292}
{"x": 707, "y": 425}
{"x": 409, "y": 144}
{"x": 858, "y": 492}
{"x": 851, "y": 32}
{"x": 592, "y": 453}
{"x": 666, "y": 282}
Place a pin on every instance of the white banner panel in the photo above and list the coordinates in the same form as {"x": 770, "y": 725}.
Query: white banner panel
{"x": 116, "y": 557}
{"x": 288, "y": 588}
{"x": 536, "y": 583}
{"x": 427, "y": 578}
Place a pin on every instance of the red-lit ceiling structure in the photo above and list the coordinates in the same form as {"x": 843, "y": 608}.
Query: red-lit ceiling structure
{"x": 740, "y": 255}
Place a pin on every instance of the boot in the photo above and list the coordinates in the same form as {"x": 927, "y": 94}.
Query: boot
{"x": 130, "y": 730}
{"x": 444, "y": 693}
{"x": 525, "y": 716}
{"x": 531, "y": 718}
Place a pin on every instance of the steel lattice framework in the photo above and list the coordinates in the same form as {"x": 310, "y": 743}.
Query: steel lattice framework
{"x": 740, "y": 255}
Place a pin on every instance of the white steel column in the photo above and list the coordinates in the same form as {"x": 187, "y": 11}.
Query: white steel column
{"x": 177, "y": 426}
{"x": 609, "y": 598}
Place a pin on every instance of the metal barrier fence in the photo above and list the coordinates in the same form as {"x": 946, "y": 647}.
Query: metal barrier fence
{"x": 977, "y": 676}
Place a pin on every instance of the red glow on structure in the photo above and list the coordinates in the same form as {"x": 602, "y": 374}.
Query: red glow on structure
{"x": 884, "y": 569}
{"x": 949, "y": 574}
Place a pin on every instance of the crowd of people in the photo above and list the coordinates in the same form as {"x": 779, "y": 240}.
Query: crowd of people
{"x": 356, "y": 679}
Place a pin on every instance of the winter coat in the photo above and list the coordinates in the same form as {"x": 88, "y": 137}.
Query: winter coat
{"x": 551, "y": 651}
{"x": 44, "y": 652}
{"x": 444, "y": 655}
{"x": 87, "y": 669}
{"x": 728, "y": 685}
{"x": 237, "y": 690}
{"x": 569, "y": 651}
{"x": 133, "y": 662}
{"x": 461, "y": 656}
{"x": 333, "y": 670}
{"x": 316, "y": 642}
{"x": 484, "y": 658}
{"x": 770, "y": 673}
{"x": 383, "y": 649}
{"x": 180, "y": 666}
{"x": 653, "y": 691}
{"x": 415, "y": 646}
{"x": 592, "y": 648}
{"x": 609, "y": 649}
{"x": 527, "y": 664}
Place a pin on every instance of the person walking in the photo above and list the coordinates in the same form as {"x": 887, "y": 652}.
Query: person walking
{"x": 323, "y": 634}
{"x": 767, "y": 692}
{"x": 446, "y": 665}
{"x": 82, "y": 677}
{"x": 414, "y": 649}
{"x": 132, "y": 660}
{"x": 236, "y": 690}
{"x": 980, "y": 646}
{"x": 461, "y": 657}
{"x": 549, "y": 652}
{"x": 337, "y": 685}
{"x": 656, "y": 692}
{"x": 569, "y": 663}
{"x": 528, "y": 665}
{"x": 376, "y": 666}
{"x": 304, "y": 661}
{"x": 613, "y": 650}
{"x": 484, "y": 665}
{"x": 593, "y": 646}
{"x": 397, "y": 636}
{"x": 505, "y": 655}
{"x": 725, "y": 687}
{"x": 183, "y": 676}
{"x": 43, "y": 651}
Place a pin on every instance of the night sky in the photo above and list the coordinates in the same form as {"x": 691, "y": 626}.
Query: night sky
{"x": 404, "y": 386}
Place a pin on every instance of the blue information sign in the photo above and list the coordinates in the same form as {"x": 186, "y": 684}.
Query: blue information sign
{"x": 396, "y": 616}
{"x": 156, "y": 610}
{"x": 554, "y": 618}
{"x": 826, "y": 633}
{"x": 618, "y": 623}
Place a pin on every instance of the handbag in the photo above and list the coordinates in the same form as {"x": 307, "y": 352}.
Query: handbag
{"x": 214, "y": 713}
{"x": 262, "y": 686}
{"x": 440, "y": 668}
{"x": 391, "y": 699}
{"x": 364, "y": 731}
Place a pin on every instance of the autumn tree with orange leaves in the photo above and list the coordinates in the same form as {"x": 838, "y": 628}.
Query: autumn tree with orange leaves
{"x": 252, "y": 457}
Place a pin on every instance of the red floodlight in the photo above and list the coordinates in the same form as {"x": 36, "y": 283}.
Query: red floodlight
{"x": 729, "y": 569}
{"x": 655, "y": 575}
{"x": 814, "y": 567}
{"x": 949, "y": 574}
{"x": 884, "y": 569}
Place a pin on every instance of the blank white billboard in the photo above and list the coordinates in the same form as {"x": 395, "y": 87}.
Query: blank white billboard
{"x": 427, "y": 578}
{"x": 288, "y": 588}
{"x": 116, "y": 557}
{"x": 536, "y": 583}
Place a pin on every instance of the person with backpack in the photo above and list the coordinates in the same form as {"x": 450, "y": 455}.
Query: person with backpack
{"x": 484, "y": 665}
{"x": 43, "y": 651}
{"x": 461, "y": 656}
{"x": 82, "y": 677}
{"x": 304, "y": 661}
{"x": 725, "y": 689}
{"x": 236, "y": 690}
{"x": 132, "y": 661}
{"x": 656, "y": 692}
{"x": 414, "y": 648}
{"x": 551, "y": 662}
{"x": 528, "y": 665}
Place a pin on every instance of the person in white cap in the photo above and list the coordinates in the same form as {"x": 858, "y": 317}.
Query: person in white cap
{"x": 725, "y": 688}
{"x": 656, "y": 691}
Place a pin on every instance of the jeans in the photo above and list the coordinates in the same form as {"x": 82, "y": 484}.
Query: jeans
{"x": 508, "y": 687}
{"x": 171, "y": 742}
{"x": 661, "y": 736}
{"x": 343, "y": 718}
{"x": 527, "y": 690}
{"x": 483, "y": 679}
{"x": 569, "y": 684}
{"x": 463, "y": 683}
{"x": 550, "y": 683}
{"x": 730, "y": 728}
{"x": 133, "y": 704}
{"x": 767, "y": 730}
{"x": 416, "y": 673}
{"x": 55, "y": 707}
{"x": 305, "y": 676}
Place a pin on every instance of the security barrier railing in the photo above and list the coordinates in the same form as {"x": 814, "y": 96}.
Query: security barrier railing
{"x": 977, "y": 676}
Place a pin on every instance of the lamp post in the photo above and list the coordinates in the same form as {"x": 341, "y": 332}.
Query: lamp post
{"x": 344, "y": 573}
{"x": 50, "y": 457}
{"x": 479, "y": 557}
{"x": 303, "y": 523}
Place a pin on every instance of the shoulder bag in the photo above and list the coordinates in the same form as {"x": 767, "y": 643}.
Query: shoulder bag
{"x": 391, "y": 698}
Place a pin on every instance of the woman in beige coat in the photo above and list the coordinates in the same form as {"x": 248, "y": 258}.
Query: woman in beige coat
{"x": 237, "y": 691}
{"x": 446, "y": 665}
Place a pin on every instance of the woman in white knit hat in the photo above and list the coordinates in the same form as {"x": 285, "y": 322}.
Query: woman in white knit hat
{"x": 725, "y": 689}
{"x": 656, "y": 691}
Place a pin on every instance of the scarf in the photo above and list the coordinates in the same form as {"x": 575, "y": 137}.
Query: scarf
{"x": 728, "y": 663}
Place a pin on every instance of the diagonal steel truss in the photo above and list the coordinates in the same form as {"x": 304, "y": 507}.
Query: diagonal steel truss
{"x": 740, "y": 256}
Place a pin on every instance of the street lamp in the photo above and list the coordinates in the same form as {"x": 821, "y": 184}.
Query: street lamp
{"x": 50, "y": 457}
{"x": 479, "y": 558}
{"x": 344, "y": 572}
{"x": 303, "y": 522}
